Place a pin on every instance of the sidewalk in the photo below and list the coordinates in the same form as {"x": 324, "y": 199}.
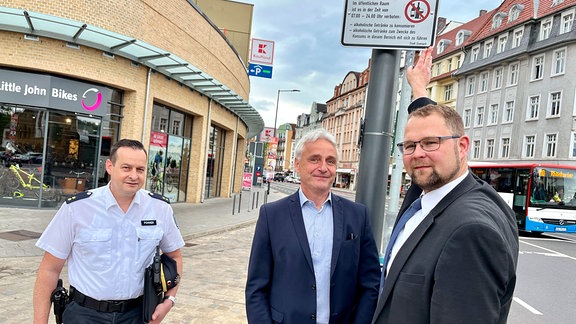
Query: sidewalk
{"x": 20, "y": 228}
{"x": 215, "y": 258}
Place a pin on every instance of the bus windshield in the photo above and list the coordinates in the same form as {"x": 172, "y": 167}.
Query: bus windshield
{"x": 553, "y": 188}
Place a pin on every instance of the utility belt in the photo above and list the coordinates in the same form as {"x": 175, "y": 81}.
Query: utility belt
{"x": 106, "y": 306}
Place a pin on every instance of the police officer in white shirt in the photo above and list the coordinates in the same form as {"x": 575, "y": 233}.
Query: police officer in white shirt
{"x": 108, "y": 236}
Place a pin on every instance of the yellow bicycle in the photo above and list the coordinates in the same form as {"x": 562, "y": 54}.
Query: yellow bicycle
{"x": 20, "y": 181}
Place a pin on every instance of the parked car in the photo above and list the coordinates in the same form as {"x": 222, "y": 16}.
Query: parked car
{"x": 292, "y": 179}
{"x": 279, "y": 177}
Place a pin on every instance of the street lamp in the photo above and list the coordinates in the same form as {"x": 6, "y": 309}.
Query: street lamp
{"x": 277, "y": 100}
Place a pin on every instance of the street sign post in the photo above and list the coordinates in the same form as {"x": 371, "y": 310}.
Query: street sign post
{"x": 260, "y": 70}
{"x": 408, "y": 24}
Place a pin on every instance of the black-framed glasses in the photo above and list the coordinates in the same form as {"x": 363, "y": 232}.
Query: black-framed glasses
{"x": 428, "y": 144}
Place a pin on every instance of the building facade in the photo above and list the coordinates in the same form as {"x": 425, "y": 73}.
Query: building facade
{"x": 516, "y": 88}
{"x": 284, "y": 160}
{"x": 75, "y": 77}
{"x": 447, "y": 58}
{"x": 345, "y": 111}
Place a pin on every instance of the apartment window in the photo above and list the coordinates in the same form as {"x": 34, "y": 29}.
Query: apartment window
{"x": 515, "y": 12}
{"x": 550, "y": 145}
{"x": 567, "y": 21}
{"x": 483, "y": 82}
{"x": 554, "y": 104}
{"x": 517, "y": 37}
{"x": 163, "y": 124}
{"x": 529, "y": 143}
{"x": 461, "y": 37}
{"x": 438, "y": 69}
{"x": 493, "y": 114}
{"x": 497, "y": 20}
{"x": 513, "y": 71}
{"x": 533, "y": 107}
{"x": 467, "y": 117}
{"x": 497, "y": 81}
{"x": 442, "y": 45}
{"x": 488, "y": 49}
{"x": 458, "y": 61}
{"x": 449, "y": 65}
{"x": 476, "y": 150}
{"x": 479, "y": 116}
{"x": 508, "y": 114}
{"x": 475, "y": 51}
{"x": 176, "y": 127}
{"x": 505, "y": 148}
{"x": 490, "y": 148}
{"x": 537, "y": 67}
{"x": 557, "y": 2}
{"x": 559, "y": 63}
{"x": 545, "y": 28}
{"x": 470, "y": 82}
{"x": 502, "y": 40}
{"x": 448, "y": 89}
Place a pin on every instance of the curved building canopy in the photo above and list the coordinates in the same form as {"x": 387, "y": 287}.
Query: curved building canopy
{"x": 37, "y": 24}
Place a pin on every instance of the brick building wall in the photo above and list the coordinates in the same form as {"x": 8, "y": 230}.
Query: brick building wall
{"x": 172, "y": 25}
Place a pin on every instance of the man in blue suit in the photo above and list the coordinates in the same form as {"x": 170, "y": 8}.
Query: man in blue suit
{"x": 313, "y": 259}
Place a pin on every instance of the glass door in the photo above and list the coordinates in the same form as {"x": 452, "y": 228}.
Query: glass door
{"x": 73, "y": 145}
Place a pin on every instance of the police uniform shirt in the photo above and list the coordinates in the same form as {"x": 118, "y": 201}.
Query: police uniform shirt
{"x": 108, "y": 250}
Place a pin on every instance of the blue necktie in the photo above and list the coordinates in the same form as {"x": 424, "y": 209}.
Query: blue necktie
{"x": 411, "y": 211}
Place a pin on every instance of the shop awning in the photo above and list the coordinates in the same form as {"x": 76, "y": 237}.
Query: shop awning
{"x": 351, "y": 171}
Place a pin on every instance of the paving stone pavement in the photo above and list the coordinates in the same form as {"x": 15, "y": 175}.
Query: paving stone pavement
{"x": 215, "y": 261}
{"x": 211, "y": 291}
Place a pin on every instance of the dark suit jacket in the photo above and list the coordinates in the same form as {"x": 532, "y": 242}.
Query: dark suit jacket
{"x": 459, "y": 265}
{"x": 281, "y": 286}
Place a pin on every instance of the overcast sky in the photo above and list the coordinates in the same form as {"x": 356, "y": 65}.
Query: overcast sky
{"x": 308, "y": 55}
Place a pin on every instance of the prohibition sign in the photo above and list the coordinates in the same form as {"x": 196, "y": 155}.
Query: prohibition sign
{"x": 417, "y": 11}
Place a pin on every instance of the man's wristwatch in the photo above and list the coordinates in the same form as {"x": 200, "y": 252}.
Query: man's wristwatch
{"x": 171, "y": 298}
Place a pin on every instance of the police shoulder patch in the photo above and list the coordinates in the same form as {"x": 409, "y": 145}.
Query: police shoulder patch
{"x": 159, "y": 196}
{"x": 78, "y": 196}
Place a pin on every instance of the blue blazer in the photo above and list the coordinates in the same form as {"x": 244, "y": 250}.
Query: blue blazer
{"x": 459, "y": 264}
{"x": 280, "y": 287}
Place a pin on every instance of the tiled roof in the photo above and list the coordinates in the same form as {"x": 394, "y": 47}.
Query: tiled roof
{"x": 527, "y": 12}
{"x": 472, "y": 26}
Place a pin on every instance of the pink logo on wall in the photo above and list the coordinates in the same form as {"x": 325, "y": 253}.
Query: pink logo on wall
{"x": 96, "y": 103}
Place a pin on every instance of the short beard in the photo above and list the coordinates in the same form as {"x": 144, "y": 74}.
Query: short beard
{"x": 435, "y": 180}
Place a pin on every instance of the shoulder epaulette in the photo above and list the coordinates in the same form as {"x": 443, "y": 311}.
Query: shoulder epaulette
{"x": 78, "y": 196}
{"x": 159, "y": 196}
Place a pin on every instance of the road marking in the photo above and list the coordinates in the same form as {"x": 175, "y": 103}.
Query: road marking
{"x": 552, "y": 251}
{"x": 528, "y": 307}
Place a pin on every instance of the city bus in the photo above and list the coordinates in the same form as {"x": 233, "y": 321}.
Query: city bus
{"x": 543, "y": 196}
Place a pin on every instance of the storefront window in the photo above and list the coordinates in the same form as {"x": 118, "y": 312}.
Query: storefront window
{"x": 169, "y": 153}
{"x": 47, "y": 154}
{"x": 213, "y": 184}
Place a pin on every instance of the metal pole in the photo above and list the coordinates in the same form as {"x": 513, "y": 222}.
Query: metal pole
{"x": 277, "y": 101}
{"x": 276, "y": 116}
{"x": 396, "y": 178}
{"x": 233, "y": 204}
{"x": 377, "y": 138}
{"x": 240, "y": 202}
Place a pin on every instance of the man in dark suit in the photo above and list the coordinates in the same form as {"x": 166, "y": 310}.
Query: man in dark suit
{"x": 313, "y": 258}
{"x": 455, "y": 260}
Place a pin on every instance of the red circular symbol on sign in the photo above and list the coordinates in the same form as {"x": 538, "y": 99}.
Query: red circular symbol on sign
{"x": 417, "y": 11}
